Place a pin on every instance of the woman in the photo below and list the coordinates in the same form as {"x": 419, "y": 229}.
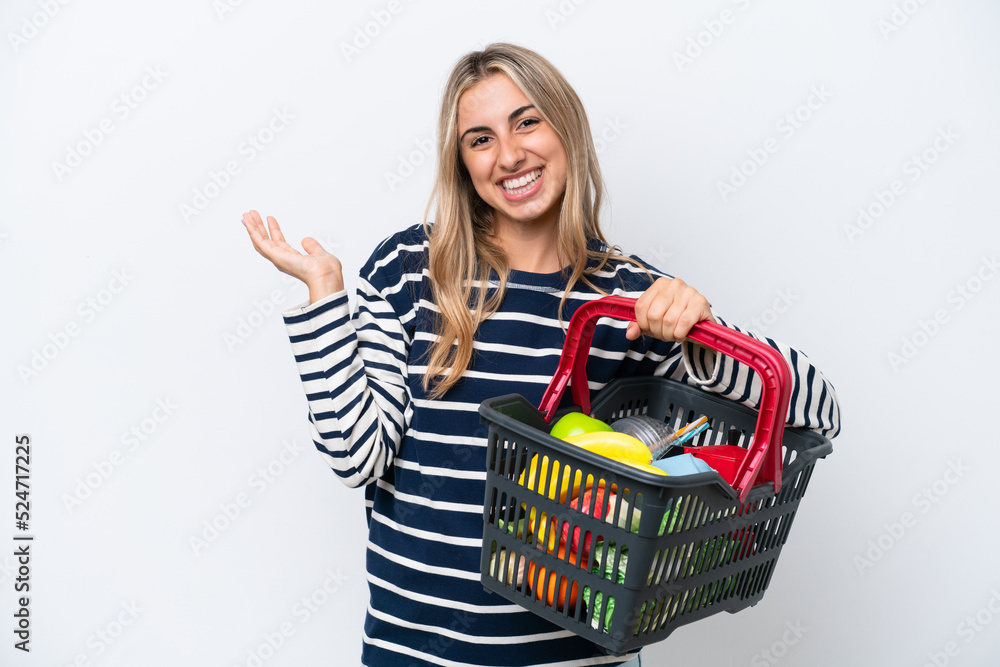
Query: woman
{"x": 470, "y": 307}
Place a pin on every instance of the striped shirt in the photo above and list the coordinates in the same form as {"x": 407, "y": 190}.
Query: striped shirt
{"x": 422, "y": 462}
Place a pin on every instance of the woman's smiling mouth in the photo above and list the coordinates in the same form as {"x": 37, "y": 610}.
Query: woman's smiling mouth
{"x": 515, "y": 188}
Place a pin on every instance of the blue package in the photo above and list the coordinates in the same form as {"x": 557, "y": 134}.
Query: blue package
{"x": 682, "y": 464}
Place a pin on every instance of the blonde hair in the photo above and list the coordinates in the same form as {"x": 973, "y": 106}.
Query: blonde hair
{"x": 462, "y": 248}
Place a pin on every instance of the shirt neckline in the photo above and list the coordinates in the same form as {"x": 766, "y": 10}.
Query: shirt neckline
{"x": 554, "y": 279}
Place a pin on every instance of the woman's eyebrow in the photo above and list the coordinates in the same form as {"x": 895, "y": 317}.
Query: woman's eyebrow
{"x": 517, "y": 112}
{"x": 513, "y": 114}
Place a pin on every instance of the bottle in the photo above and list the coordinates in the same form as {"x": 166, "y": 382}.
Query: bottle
{"x": 654, "y": 433}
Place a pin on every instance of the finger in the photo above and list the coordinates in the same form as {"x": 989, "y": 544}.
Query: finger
{"x": 275, "y": 230}
{"x": 253, "y": 223}
{"x": 265, "y": 233}
{"x": 641, "y": 320}
{"x": 255, "y": 217}
{"x": 685, "y": 320}
{"x": 694, "y": 312}
{"x": 312, "y": 246}
{"x": 257, "y": 235}
{"x": 660, "y": 315}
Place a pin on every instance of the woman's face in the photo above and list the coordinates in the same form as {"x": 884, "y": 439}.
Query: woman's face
{"x": 517, "y": 163}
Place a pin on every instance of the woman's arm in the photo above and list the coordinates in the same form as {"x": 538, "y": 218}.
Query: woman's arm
{"x": 813, "y": 404}
{"x": 353, "y": 369}
{"x": 669, "y": 308}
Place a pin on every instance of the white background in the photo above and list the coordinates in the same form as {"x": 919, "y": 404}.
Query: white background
{"x": 116, "y": 301}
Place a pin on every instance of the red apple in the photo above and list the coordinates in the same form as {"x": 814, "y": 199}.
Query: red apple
{"x": 574, "y": 551}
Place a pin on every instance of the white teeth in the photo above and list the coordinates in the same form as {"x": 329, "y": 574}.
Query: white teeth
{"x": 517, "y": 185}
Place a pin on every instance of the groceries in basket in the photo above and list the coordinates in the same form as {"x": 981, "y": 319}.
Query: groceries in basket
{"x": 665, "y": 445}
{"x": 617, "y": 446}
{"x": 574, "y": 423}
{"x": 557, "y": 588}
{"x": 654, "y": 433}
{"x": 683, "y": 464}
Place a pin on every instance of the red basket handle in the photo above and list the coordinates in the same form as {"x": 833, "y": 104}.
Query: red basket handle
{"x": 764, "y": 457}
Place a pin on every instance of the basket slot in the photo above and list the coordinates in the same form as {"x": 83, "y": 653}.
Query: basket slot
{"x": 506, "y": 458}
{"x": 668, "y": 608}
{"x": 766, "y": 534}
{"x": 753, "y": 581}
{"x": 508, "y": 568}
{"x": 687, "y": 508}
{"x": 675, "y": 416}
{"x": 796, "y": 485}
{"x": 636, "y": 406}
{"x": 778, "y": 532}
{"x": 671, "y": 415}
{"x": 790, "y": 456}
{"x": 648, "y": 614}
{"x": 701, "y": 514}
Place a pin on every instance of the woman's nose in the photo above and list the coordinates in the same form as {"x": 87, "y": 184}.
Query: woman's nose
{"x": 511, "y": 153}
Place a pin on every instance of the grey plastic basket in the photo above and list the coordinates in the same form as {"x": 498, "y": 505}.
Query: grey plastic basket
{"x": 678, "y": 549}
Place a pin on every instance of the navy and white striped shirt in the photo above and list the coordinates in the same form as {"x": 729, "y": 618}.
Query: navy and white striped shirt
{"x": 423, "y": 461}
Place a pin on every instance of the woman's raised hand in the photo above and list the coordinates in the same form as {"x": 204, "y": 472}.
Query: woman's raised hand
{"x": 319, "y": 270}
{"x": 667, "y": 310}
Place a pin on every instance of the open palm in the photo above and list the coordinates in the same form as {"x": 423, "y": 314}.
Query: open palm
{"x": 319, "y": 270}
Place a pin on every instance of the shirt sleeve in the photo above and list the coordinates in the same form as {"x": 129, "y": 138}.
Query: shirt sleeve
{"x": 813, "y": 404}
{"x": 354, "y": 373}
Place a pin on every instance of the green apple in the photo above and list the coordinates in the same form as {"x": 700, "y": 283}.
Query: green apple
{"x": 575, "y": 423}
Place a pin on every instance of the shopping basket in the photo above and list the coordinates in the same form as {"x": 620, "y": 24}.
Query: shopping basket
{"x": 669, "y": 550}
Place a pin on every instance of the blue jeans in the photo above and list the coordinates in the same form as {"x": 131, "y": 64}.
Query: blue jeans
{"x": 634, "y": 662}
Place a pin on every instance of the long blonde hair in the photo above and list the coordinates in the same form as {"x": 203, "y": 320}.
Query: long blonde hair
{"x": 462, "y": 247}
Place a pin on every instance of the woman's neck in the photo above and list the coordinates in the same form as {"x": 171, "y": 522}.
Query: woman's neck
{"x": 530, "y": 246}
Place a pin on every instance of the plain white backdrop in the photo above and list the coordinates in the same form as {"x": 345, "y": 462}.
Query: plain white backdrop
{"x": 824, "y": 171}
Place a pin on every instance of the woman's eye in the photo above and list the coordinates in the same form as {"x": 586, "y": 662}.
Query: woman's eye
{"x": 528, "y": 122}
{"x": 479, "y": 141}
